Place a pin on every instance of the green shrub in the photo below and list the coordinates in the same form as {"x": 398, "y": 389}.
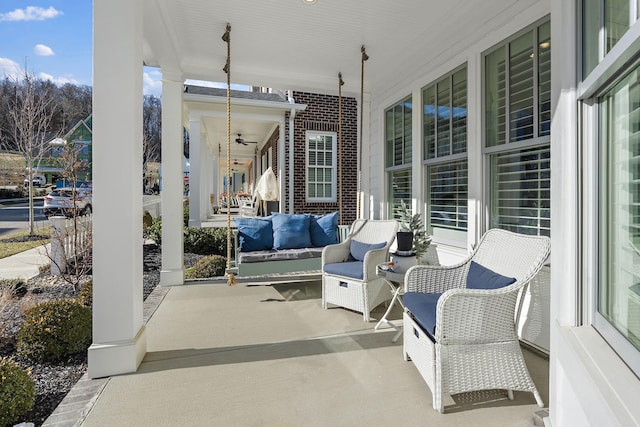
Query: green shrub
{"x": 205, "y": 241}
{"x": 15, "y": 287}
{"x": 147, "y": 220}
{"x": 17, "y": 392}
{"x": 85, "y": 296}
{"x": 154, "y": 231}
{"x": 55, "y": 329}
{"x": 209, "y": 266}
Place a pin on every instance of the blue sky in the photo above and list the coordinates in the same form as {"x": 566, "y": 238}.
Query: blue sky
{"x": 53, "y": 40}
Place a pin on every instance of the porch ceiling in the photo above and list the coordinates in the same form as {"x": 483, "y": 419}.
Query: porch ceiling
{"x": 288, "y": 44}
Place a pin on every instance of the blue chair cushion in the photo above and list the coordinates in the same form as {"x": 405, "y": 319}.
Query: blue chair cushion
{"x": 480, "y": 277}
{"x": 291, "y": 231}
{"x": 423, "y": 308}
{"x": 353, "y": 269}
{"x": 359, "y": 249}
{"x": 324, "y": 229}
{"x": 255, "y": 234}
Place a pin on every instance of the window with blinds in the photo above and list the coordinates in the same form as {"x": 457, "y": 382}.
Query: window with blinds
{"x": 517, "y": 130}
{"x": 444, "y": 105}
{"x": 444, "y": 122}
{"x": 321, "y": 171}
{"x": 619, "y": 212}
{"x": 447, "y": 196}
{"x": 399, "y": 189}
{"x": 518, "y": 88}
{"x": 398, "y": 135}
{"x": 520, "y": 191}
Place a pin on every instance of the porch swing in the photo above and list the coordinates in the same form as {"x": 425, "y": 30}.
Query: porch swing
{"x": 264, "y": 261}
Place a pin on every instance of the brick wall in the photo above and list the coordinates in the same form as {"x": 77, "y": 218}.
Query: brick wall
{"x": 321, "y": 115}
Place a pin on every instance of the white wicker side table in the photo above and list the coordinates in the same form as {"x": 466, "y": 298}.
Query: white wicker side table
{"x": 395, "y": 280}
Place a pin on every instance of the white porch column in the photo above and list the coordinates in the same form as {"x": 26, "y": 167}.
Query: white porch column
{"x": 172, "y": 272}
{"x": 195, "y": 160}
{"x": 215, "y": 174}
{"x": 281, "y": 165}
{"x": 204, "y": 184}
{"x": 364, "y": 158}
{"x": 119, "y": 341}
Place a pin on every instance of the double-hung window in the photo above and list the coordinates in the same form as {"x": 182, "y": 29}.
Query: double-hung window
{"x": 517, "y": 108}
{"x": 616, "y": 110}
{"x": 398, "y": 140}
{"x": 619, "y": 213}
{"x": 444, "y": 121}
{"x": 321, "y": 166}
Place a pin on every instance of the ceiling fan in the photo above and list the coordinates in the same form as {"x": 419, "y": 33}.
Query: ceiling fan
{"x": 240, "y": 140}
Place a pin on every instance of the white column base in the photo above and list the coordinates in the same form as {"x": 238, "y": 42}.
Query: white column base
{"x": 116, "y": 358}
{"x": 171, "y": 277}
{"x": 195, "y": 223}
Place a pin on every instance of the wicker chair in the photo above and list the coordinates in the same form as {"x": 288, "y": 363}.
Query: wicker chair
{"x": 474, "y": 345}
{"x": 349, "y": 280}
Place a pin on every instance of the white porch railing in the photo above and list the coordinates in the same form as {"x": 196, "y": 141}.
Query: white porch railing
{"x": 70, "y": 237}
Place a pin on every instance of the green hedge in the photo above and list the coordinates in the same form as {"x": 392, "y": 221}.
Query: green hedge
{"x": 17, "y": 392}
{"x": 55, "y": 329}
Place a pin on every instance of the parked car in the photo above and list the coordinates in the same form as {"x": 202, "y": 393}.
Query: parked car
{"x": 60, "y": 202}
{"x": 38, "y": 181}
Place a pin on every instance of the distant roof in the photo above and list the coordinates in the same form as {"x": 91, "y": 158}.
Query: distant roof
{"x": 214, "y": 91}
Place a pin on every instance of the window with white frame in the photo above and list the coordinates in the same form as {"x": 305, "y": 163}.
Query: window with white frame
{"x": 619, "y": 213}
{"x": 517, "y": 131}
{"x": 321, "y": 166}
{"x": 614, "y": 110}
{"x": 444, "y": 121}
{"x": 604, "y": 22}
{"x": 398, "y": 143}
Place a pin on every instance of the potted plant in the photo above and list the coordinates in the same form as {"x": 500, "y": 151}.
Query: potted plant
{"x": 411, "y": 235}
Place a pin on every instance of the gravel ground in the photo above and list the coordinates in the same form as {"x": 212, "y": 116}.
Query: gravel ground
{"x": 53, "y": 381}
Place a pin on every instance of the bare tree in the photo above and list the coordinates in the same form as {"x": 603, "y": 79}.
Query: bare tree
{"x": 71, "y": 240}
{"x": 151, "y": 125}
{"x": 30, "y": 113}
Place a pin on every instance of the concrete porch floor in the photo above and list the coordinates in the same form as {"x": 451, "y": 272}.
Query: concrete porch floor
{"x": 261, "y": 354}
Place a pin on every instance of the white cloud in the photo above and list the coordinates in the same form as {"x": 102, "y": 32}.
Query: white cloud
{"x": 152, "y": 82}
{"x": 30, "y": 13}
{"x": 43, "y": 50}
{"x": 59, "y": 81}
{"x": 9, "y": 68}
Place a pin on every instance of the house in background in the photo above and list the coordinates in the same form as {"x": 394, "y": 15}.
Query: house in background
{"x": 52, "y": 164}
{"x": 548, "y": 145}
{"x": 287, "y": 131}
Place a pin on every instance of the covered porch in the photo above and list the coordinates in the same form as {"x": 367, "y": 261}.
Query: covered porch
{"x": 264, "y": 353}
{"x": 232, "y": 352}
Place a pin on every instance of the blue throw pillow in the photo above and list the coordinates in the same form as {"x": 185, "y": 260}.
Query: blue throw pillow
{"x": 480, "y": 277}
{"x": 324, "y": 229}
{"x": 291, "y": 231}
{"x": 359, "y": 249}
{"x": 255, "y": 234}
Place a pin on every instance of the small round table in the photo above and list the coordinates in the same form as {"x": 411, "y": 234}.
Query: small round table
{"x": 395, "y": 280}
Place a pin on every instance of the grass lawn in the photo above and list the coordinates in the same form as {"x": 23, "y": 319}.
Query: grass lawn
{"x": 20, "y": 242}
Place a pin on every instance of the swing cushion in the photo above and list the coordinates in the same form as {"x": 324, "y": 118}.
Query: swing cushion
{"x": 291, "y": 231}
{"x": 256, "y": 234}
{"x": 324, "y": 229}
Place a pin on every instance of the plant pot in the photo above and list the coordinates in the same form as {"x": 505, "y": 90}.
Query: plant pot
{"x": 405, "y": 240}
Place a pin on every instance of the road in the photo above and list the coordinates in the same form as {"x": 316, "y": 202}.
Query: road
{"x": 15, "y": 218}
